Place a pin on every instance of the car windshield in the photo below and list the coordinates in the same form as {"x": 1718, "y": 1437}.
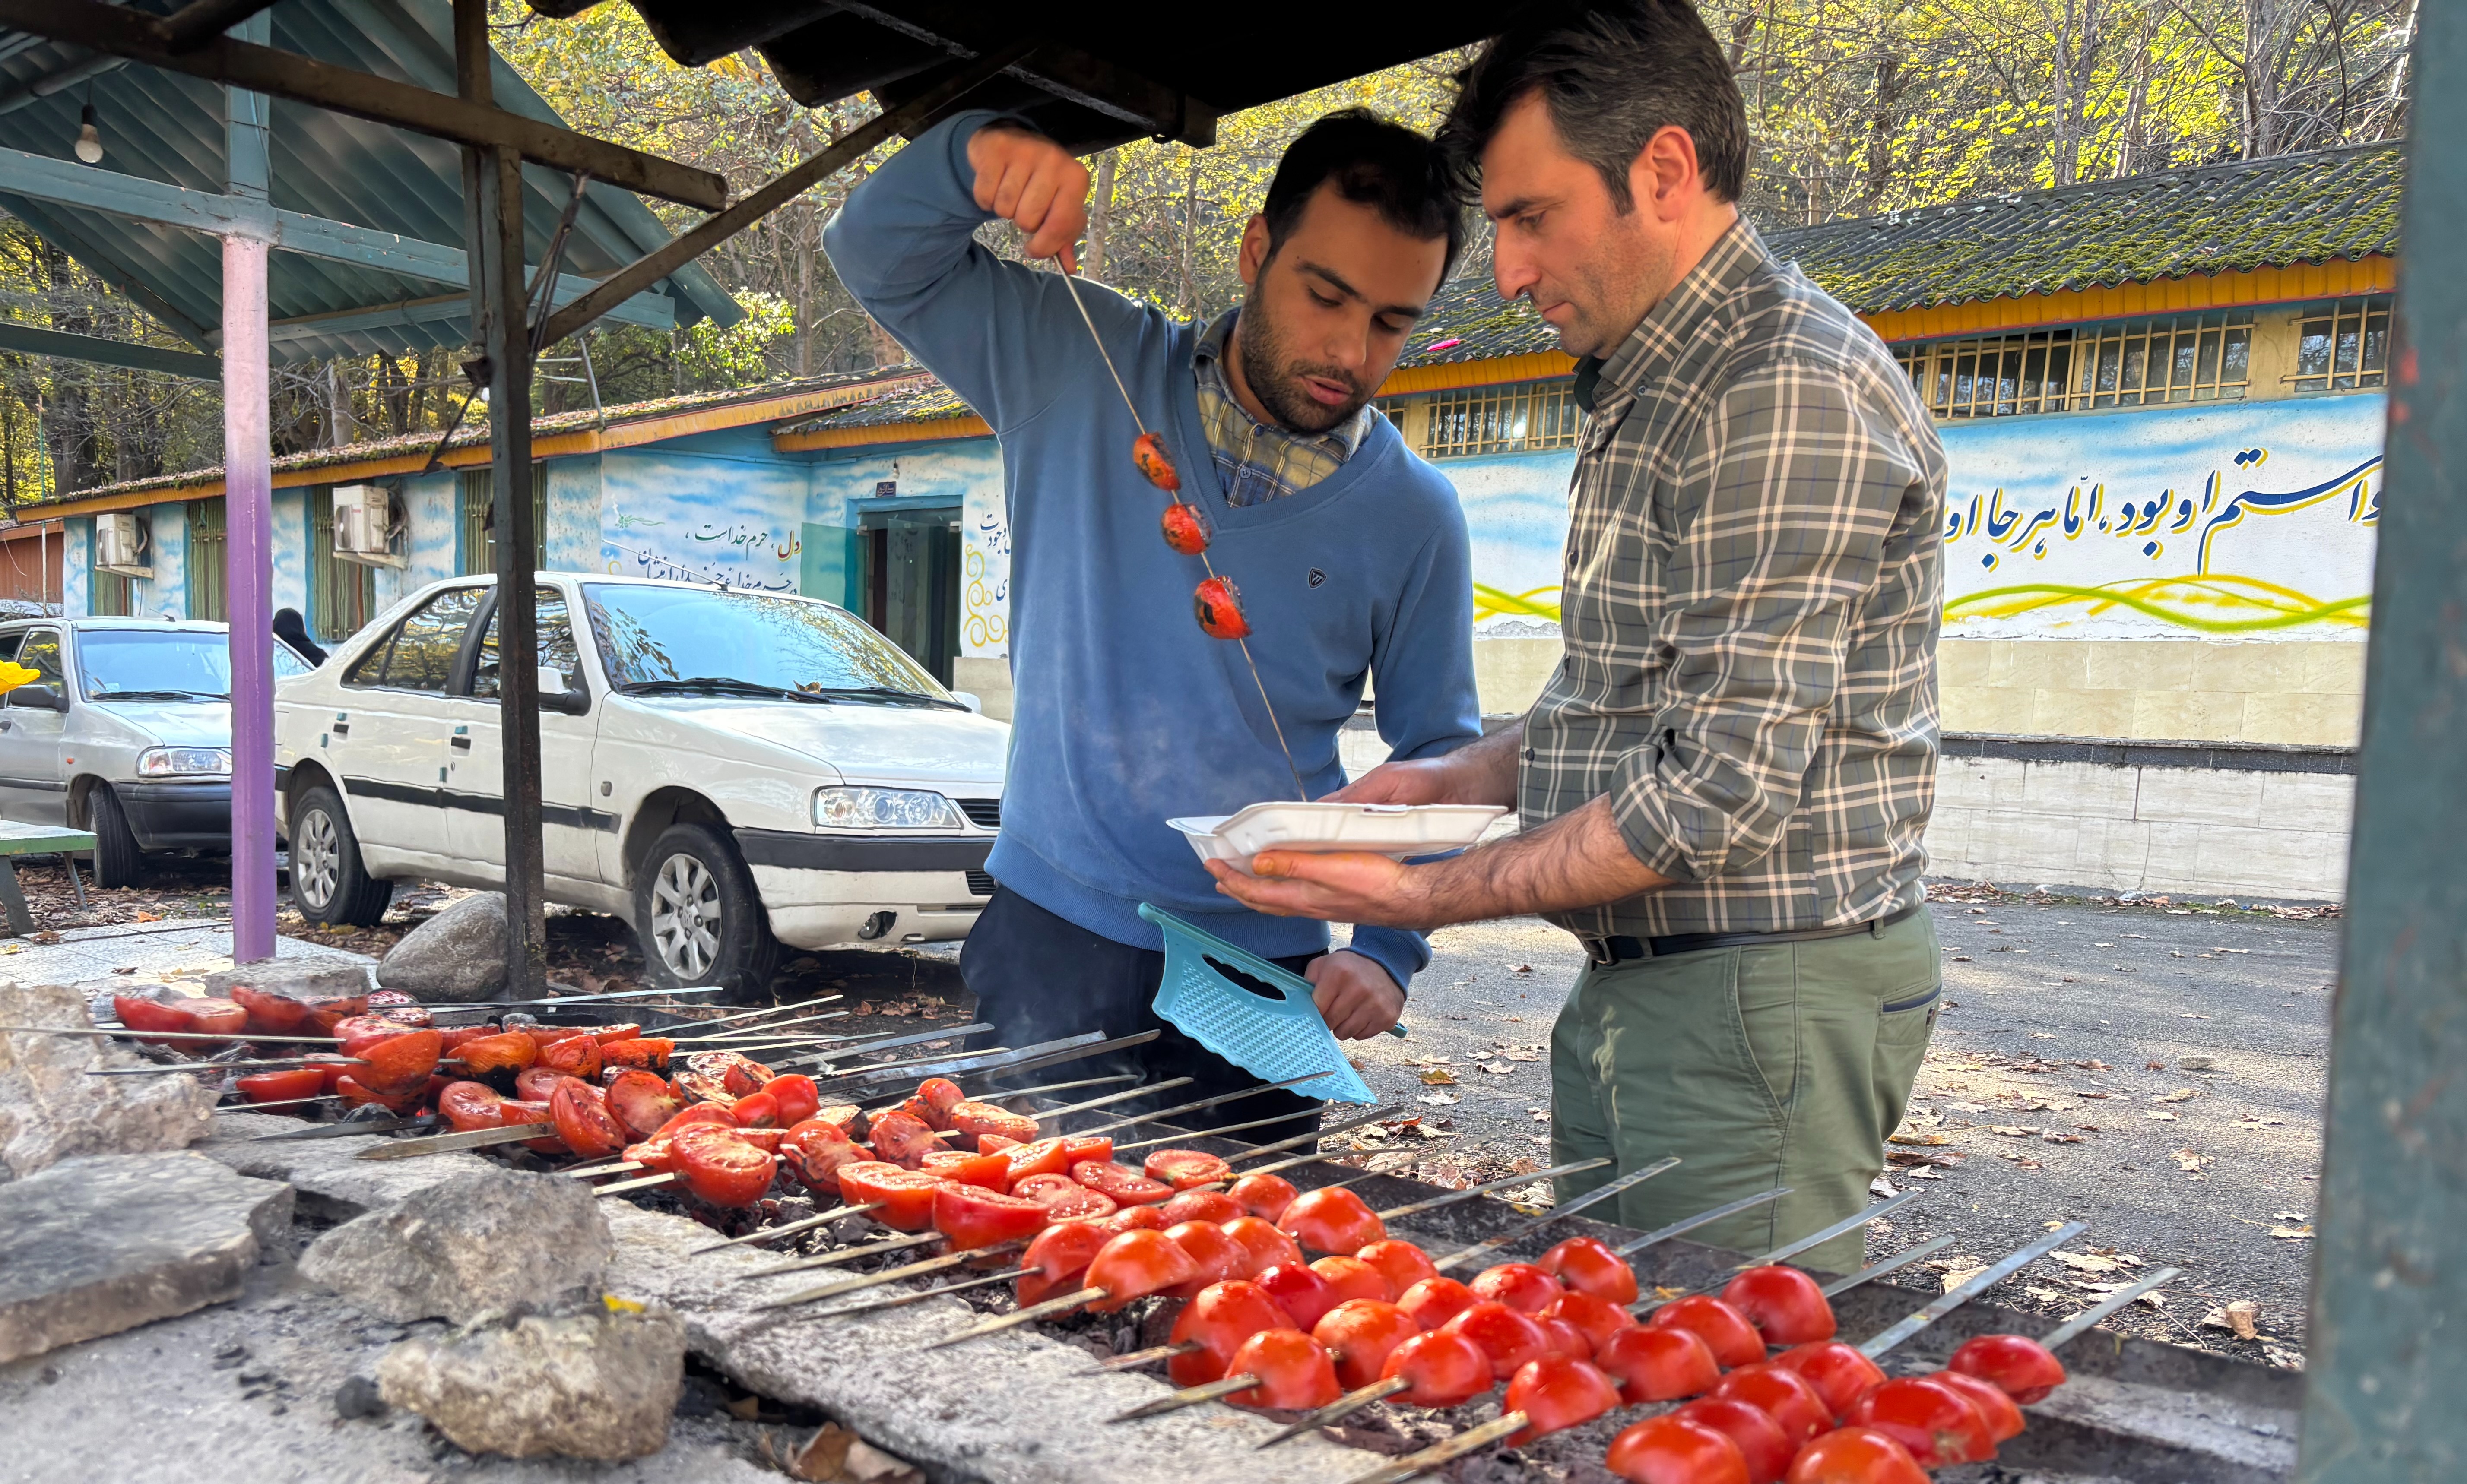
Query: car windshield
{"x": 657, "y": 639}
{"x": 163, "y": 664}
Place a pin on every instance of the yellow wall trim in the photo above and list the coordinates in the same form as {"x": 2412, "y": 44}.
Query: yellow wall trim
{"x": 966, "y": 425}
{"x": 2374, "y": 275}
{"x": 1537, "y": 365}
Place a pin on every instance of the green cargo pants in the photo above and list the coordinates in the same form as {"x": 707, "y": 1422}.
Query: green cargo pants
{"x": 1758, "y": 1066}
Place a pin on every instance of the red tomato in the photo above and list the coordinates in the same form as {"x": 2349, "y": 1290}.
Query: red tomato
{"x": 1447, "y": 1370}
{"x": 1222, "y": 1316}
{"x": 1837, "y": 1371}
{"x": 535, "y": 1084}
{"x": 1589, "y": 1266}
{"x": 576, "y": 1056}
{"x": 215, "y": 1018}
{"x": 454, "y": 1037}
{"x": 1353, "y": 1278}
{"x": 1302, "y": 1293}
{"x": 1293, "y": 1372}
{"x": 743, "y": 1076}
{"x": 843, "y": 1116}
{"x": 759, "y": 1110}
{"x": 1331, "y": 1220}
{"x": 907, "y": 1196}
{"x": 514, "y": 1113}
{"x": 1099, "y": 1147}
{"x": 355, "y": 1095}
{"x": 1785, "y": 1395}
{"x": 2023, "y": 1368}
{"x": 1262, "y": 1244}
{"x": 1511, "y": 1339}
{"x": 1660, "y": 1364}
{"x": 1785, "y": 1303}
{"x": 329, "y": 1067}
{"x": 1760, "y": 1439}
{"x": 643, "y": 1053}
{"x": 274, "y": 1015}
{"x": 1121, "y": 1182}
{"x": 796, "y": 1097}
{"x": 1264, "y": 1195}
{"x": 1063, "y": 1250}
{"x": 642, "y": 1102}
{"x": 1735, "y": 1341}
{"x": 585, "y": 1124}
{"x": 942, "y": 1095}
{"x": 973, "y": 1217}
{"x": 280, "y": 1087}
{"x": 1215, "y": 1255}
{"x": 469, "y": 1106}
{"x": 611, "y": 1034}
{"x": 700, "y": 1112}
{"x": 901, "y": 1138}
{"x": 1132, "y": 1218}
{"x": 1200, "y": 1205}
{"x": 2003, "y": 1419}
{"x": 1520, "y": 1286}
{"x": 986, "y": 1172}
{"x": 765, "y": 1139}
{"x": 142, "y": 1013}
{"x": 721, "y": 1167}
{"x": 332, "y": 1010}
{"x": 995, "y": 1144}
{"x": 1939, "y": 1425}
{"x": 1401, "y": 1263}
{"x": 1185, "y": 1168}
{"x": 1148, "y": 453}
{"x": 1598, "y": 1319}
{"x": 1217, "y": 605}
{"x": 502, "y": 1055}
{"x": 1045, "y": 1156}
{"x": 814, "y": 1152}
{"x": 982, "y": 1118}
{"x": 1564, "y": 1339}
{"x": 1135, "y": 1265}
{"x": 1065, "y": 1198}
{"x": 400, "y": 1064}
{"x": 1435, "y": 1301}
{"x": 1359, "y": 1334}
{"x": 1673, "y": 1450}
{"x": 1184, "y": 531}
{"x": 1856, "y": 1455}
{"x": 1557, "y": 1392}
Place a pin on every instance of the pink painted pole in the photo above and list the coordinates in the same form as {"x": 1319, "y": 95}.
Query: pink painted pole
{"x": 248, "y": 516}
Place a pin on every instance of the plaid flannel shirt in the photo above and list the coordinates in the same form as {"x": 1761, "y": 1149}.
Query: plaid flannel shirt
{"x": 1752, "y": 589}
{"x": 1258, "y": 463}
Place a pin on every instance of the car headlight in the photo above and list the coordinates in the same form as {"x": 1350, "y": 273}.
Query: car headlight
{"x": 173, "y": 762}
{"x": 883, "y": 808}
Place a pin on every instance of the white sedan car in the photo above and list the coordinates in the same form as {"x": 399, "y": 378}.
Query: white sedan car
{"x": 730, "y": 771}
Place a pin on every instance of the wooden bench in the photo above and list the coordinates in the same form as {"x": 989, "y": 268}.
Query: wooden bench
{"x": 16, "y": 840}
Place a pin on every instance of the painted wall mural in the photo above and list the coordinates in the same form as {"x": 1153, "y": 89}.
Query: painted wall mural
{"x": 702, "y": 517}
{"x": 2250, "y": 521}
{"x": 1516, "y": 512}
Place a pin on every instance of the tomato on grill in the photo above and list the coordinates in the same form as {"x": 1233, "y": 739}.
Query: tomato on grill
{"x": 1520, "y": 1286}
{"x": 645, "y": 1053}
{"x": 585, "y": 1122}
{"x": 1511, "y": 1339}
{"x": 1435, "y": 1301}
{"x": 1185, "y": 1168}
{"x": 1135, "y": 1265}
{"x": 1264, "y": 1195}
{"x": 973, "y": 1217}
{"x": 1214, "y": 1255}
{"x": 1760, "y": 1439}
{"x": 1331, "y": 1220}
{"x": 1939, "y": 1425}
{"x": 901, "y": 1138}
{"x": 1855, "y": 1455}
{"x": 1735, "y": 1341}
{"x": 1222, "y": 1316}
{"x": 1064, "y": 1198}
{"x": 1557, "y": 1392}
{"x": 1126, "y": 1185}
{"x": 469, "y": 1106}
{"x": 1294, "y": 1371}
{"x": 1664, "y": 1364}
{"x": 1262, "y": 1244}
{"x": 1674, "y": 1450}
{"x": 282, "y": 1087}
{"x": 1201, "y": 1205}
{"x": 1350, "y": 1278}
{"x": 1597, "y": 1319}
{"x": 499, "y": 1058}
{"x": 1359, "y": 1334}
{"x": 982, "y": 1119}
{"x": 397, "y": 1066}
{"x": 1447, "y": 1370}
{"x": 1588, "y": 1264}
{"x": 721, "y": 1167}
{"x": 1401, "y": 1263}
{"x": 1298, "y": 1291}
{"x": 1785, "y": 1304}
{"x": 2022, "y": 1367}
{"x": 2004, "y": 1418}
{"x": 640, "y": 1102}
{"x": 270, "y": 1014}
{"x": 576, "y": 1056}
{"x": 796, "y": 1097}
{"x": 1837, "y": 1371}
{"x": 815, "y": 1152}
{"x": 986, "y": 1172}
{"x": 1043, "y": 1157}
{"x": 1785, "y": 1395}
{"x": 907, "y": 1196}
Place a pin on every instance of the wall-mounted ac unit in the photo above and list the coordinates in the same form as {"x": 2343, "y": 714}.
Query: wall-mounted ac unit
{"x": 123, "y": 544}
{"x": 368, "y": 526}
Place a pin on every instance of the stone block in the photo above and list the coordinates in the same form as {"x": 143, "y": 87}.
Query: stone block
{"x": 459, "y": 954}
{"x": 333, "y": 1182}
{"x": 2188, "y": 715}
{"x": 2318, "y": 802}
{"x": 596, "y": 1386}
{"x": 2089, "y": 790}
{"x": 2200, "y": 796}
{"x": 1985, "y": 708}
{"x": 2304, "y": 718}
{"x": 2296, "y": 864}
{"x": 2082, "y": 714}
{"x": 302, "y": 978}
{"x": 2130, "y": 664}
{"x": 498, "y": 1242}
{"x": 103, "y": 1243}
{"x": 1961, "y": 661}
{"x": 1981, "y": 783}
{"x": 50, "y": 1109}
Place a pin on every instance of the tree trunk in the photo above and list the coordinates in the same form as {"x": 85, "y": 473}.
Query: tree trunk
{"x": 1100, "y": 218}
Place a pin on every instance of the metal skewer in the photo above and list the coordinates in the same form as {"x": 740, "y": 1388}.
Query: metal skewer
{"x": 1438, "y": 1453}
{"x": 1219, "y": 1132}
{"x": 1108, "y": 1101}
{"x": 791, "y": 1228}
{"x": 1133, "y": 1359}
{"x": 1343, "y": 1406}
{"x": 447, "y": 1143}
{"x": 1702, "y": 1218}
{"x": 1598, "y": 1193}
{"x": 620, "y": 994}
{"x": 283, "y": 1063}
{"x": 110, "y": 1032}
{"x": 895, "y": 1300}
{"x": 1063, "y": 1304}
{"x": 1204, "y": 1102}
{"x": 2074, "y": 1327}
{"x": 279, "y": 1102}
{"x": 756, "y": 1032}
{"x": 1487, "y": 1187}
{"x": 1030, "y": 1058}
{"x": 847, "y": 1254}
{"x": 919, "y": 1269}
{"x": 1791, "y": 1249}
{"x": 622, "y": 1185}
{"x": 1995, "y": 1272}
{"x": 1882, "y": 1266}
{"x": 885, "y": 1044}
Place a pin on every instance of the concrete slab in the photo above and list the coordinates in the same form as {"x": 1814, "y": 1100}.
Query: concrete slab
{"x": 179, "y": 952}
{"x": 106, "y": 1243}
{"x": 333, "y": 1184}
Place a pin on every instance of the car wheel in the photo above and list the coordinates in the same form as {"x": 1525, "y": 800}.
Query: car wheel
{"x": 327, "y": 880}
{"x": 117, "y": 859}
{"x": 698, "y": 916}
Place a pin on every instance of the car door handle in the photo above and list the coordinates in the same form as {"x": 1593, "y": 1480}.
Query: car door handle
{"x": 463, "y": 744}
{"x": 341, "y": 729}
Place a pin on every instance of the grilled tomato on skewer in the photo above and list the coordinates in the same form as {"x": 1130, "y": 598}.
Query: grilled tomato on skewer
{"x": 1184, "y": 529}
{"x": 1217, "y": 604}
{"x": 1148, "y": 452}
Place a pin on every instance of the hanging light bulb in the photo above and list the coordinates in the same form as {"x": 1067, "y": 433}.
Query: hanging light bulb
{"x": 89, "y": 140}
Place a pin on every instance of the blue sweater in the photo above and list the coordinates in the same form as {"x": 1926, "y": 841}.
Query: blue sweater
{"x": 1124, "y": 713}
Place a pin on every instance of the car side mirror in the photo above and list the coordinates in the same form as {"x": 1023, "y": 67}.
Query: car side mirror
{"x": 556, "y": 694}
{"x": 40, "y": 698}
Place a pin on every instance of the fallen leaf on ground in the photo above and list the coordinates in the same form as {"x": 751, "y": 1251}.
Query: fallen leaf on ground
{"x": 1439, "y": 1099}
{"x": 2190, "y": 1162}
{"x": 1961, "y": 1275}
{"x": 2181, "y": 1096}
{"x": 1438, "y": 1077}
{"x": 2302, "y": 1233}
{"x": 2087, "y": 1262}
{"x": 2154, "y": 1112}
{"x": 2013, "y": 1131}
{"x": 2061, "y": 1138}
{"x": 1898, "y": 1138}
{"x": 2153, "y": 1066}
{"x": 1496, "y": 1069}
{"x": 2237, "y": 1316}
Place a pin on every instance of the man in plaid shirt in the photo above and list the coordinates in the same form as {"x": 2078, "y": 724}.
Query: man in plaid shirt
{"x": 1723, "y": 787}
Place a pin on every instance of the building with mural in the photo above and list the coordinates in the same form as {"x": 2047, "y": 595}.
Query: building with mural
{"x": 2159, "y": 398}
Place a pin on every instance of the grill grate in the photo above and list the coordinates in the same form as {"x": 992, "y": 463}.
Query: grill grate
{"x": 984, "y": 813}
{"x": 980, "y": 884}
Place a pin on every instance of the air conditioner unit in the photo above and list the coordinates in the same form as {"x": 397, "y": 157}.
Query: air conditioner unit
{"x": 123, "y": 544}
{"x": 368, "y": 526}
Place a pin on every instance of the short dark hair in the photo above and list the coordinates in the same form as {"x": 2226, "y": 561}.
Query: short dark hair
{"x": 1370, "y": 162}
{"x": 1612, "y": 75}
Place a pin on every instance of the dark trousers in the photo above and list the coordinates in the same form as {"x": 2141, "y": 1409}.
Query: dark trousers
{"x": 1039, "y": 977}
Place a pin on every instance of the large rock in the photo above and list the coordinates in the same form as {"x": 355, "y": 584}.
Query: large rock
{"x": 596, "y": 1386}
{"x": 104, "y": 1242}
{"x": 459, "y": 954}
{"x": 302, "y": 978}
{"x": 50, "y": 1109}
{"x": 497, "y": 1241}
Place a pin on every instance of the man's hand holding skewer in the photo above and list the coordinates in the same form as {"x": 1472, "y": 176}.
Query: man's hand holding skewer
{"x": 1036, "y": 185}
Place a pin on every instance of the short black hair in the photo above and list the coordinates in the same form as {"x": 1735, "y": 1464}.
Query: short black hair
{"x": 1371, "y": 162}
{"x": 1612, "y": 74}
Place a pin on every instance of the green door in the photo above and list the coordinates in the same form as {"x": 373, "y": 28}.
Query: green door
{"x": 909, "y": 580}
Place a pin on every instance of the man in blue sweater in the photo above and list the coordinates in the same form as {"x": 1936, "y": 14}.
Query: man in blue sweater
{"x": 1349, "y": 553}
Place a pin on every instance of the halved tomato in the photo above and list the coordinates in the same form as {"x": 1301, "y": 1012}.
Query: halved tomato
{"x": 470, "y": 1105}
{"x": 585, "y": 1122}
{"x": 534, "y": 1084}
{"x": 973, "y": 1217}
{"x": 815, "y": 1152}
{"x": 1124, "y": 1184}
{"x": 162, "y": 1011}
{"x": 645, "y": 1053}
{"x": 1434, "y": 1301}
{"x": 330, "y": 1010}
{"x": 215, "y": 1018}
{"x": 1939, "y": 1425}
{"x": 972, "y": 1117}
{"x": 1135, "y": 1265}
{"x": 282, "y": 1087}
{"x": 1359, "y": 1334}
{"x": 1589, "y": 1266}
{"x": 513, "y": 1112}
{"x": 1511, "y": 1339}
{"x": 1185, "y": 1168}
{"x": 1760, "y": 1440}
{"x": 1064, "y": 1249}
{"x": 610, "y": 1035}
{"x": 2004, "y": 1418}
{"x": 499, "y": 1058}
{"x": 1735, "y": 1341}
{"x": 907, "y": 1196}
{"x": 1130, "y": 1218}
{"x": 2022, "y": 1367}
{"x": 1063, "y": 1197}
{"x": 986, "y": 1172}
{"x": 941, "y": 1093}
{"x": 576, "y": 1056}
{"x": 1264, "y": 1245}
{"x": 757, "y": 1110}
{"x": 1785, "y": 1396}
{"x": 1520, "y": 1286}
{"x": 353, "y": 1095}
{"x": 901, "y": 1138}
{"x": 399, "y": 1065}
{"x": 1785, "y": 1304}
{"x": 1264, "y": 1195}
{"x": 1401, "y": 1263}
{"x": 1331, "y": 1220}
{"x": 642, "y": 1102}
{"x": 1217, "y": 1256}
{"x": 1676, "y": 1451}
{"x": 1201, "y": 1205}
{"x": 798, "y": 1097}
{"x": 1855, "y": 1455}
{"x": 1294, "y": 1371}
{"x": 1447, "y": 1370}
{"x": 1099, "y": 1147}
{"x": 1837, "y": 1371}
{"x": 1043, "y": 1157}
{"x": 1557, "y": 1392}
{"x": 1298, "y": 1291}
{"x": 995, "y": 1144}
{"x": 1665, "y": 1364}
{"x": 1219, "y": 1319}
{"x": 1351, "y": 1278}
{"x": 721, "y": 1167}
{"x": 1597, "y": 1319}
{"x": 270, "y": 1014}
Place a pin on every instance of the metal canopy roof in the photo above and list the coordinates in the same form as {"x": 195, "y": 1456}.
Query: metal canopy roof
{"x": 1104, "y": 72}
{"x": 169, "y": 127}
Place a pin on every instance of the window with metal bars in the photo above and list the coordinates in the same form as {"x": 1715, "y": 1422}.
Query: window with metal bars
{"x": 2204, "y": 357}
{"x": 2342, "y": 344}
{"x": 207, "y": 550}
{"x": 475, "y": 496}
{"x": 1510, "y": 420}
{"x": 342, "y": 595}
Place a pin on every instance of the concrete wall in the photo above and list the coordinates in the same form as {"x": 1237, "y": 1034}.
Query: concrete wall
{"x": 2306, "y": 693}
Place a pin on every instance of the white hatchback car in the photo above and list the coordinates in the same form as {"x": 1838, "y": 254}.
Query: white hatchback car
{"x": 730, "y": 771}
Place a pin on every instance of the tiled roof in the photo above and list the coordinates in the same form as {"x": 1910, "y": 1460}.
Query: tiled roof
{"x": 922, "y": 401}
